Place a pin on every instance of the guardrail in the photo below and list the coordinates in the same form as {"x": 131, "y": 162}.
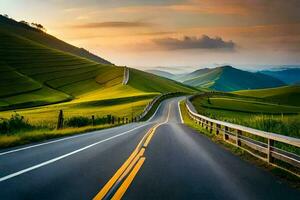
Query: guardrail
{"x": 125, "y": 76}
{"x": 154, "y": 101}
{"x": 149, "y": 106}
{"x": 258, "y": 143}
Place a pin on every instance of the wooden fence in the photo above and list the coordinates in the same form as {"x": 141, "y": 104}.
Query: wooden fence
{"x": 259, "y": 143}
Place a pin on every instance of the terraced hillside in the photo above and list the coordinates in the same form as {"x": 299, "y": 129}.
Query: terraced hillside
{"x": 33, "y": 74}
{"x": 45, "y": 39}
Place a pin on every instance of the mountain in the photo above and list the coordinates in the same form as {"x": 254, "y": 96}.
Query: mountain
{"x": 162, "y": 73}
{"x": 33, "y": 74}
{"x": 287, "y": 95}
{"x": 289, "y": 76}
{"x": 28, "y": 32}
{"x": 227, "y": 78}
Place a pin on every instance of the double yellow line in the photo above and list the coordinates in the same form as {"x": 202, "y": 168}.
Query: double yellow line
{"x": 126, "y": 173}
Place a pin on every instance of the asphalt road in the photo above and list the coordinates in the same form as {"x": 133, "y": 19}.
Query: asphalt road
{"x": 171, "y": 162}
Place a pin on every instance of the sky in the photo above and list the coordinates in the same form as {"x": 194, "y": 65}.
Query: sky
{"x": 176, "y": 34}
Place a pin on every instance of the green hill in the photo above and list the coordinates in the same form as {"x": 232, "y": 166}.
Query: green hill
{"x": 33, "y": 74}
{"x": 228, "y": 78}
{"x": 287, "y": 95}
{"x": 43, "y": 38}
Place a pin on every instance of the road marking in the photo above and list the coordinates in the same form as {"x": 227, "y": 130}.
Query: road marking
{"x": 123, "y": 188}
{"x": 119, "y": 172}
{"x": 181, "y": 119}
{"x": 50, "y": 142}
{"x": 130, "y": 163}
{"x": 154, "y": 113}
{"x": 64, "y": 156}
{"x": 59, "y": 140}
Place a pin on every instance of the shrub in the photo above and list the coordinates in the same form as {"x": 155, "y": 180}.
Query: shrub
{"x": 78, "y": 121}
{"x": 14, "y": 124}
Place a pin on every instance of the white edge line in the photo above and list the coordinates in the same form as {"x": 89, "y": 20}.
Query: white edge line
{"x": 180, "y": 113}
{"x": 154, "y": 113}
{"x": 64, "y": 156}
{"x": 53, "y": 141}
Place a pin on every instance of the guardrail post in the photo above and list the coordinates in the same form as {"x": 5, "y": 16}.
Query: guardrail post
{"x": 211, "y": 127}
{"x": 238, "y": 133}
{"x": 269, "y": 155}
{"x": 218, "y": 127}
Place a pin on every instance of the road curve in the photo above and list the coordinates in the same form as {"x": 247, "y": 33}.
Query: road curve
{"x": 171, "y": 161}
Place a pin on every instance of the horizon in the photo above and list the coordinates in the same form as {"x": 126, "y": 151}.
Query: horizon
{"x": 197, "y": 33}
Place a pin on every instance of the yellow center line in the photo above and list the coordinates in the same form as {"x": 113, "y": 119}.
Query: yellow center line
{"x": 140, "y": 154}
{"x": 119, "y": 172}
{"x": 123, "y": 188}
{"x": 133, "y": 161}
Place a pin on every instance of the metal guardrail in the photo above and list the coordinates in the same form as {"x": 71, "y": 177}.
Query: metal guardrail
{"x": 150, "y": 105}
{"x": 125, "y": 76}
{"x": 247, "y": 139}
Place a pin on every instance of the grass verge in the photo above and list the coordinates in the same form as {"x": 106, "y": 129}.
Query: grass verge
{"x": 291, "y": 179}
{"x": 45, "y": 134}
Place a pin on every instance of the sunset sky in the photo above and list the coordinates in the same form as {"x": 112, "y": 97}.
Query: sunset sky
{"x": 143, "y": 33}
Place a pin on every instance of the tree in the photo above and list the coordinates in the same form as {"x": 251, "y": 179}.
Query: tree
{"x": 38, "y": 26}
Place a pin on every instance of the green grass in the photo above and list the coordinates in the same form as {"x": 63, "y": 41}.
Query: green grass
{"x": 289, "y": 95}
{"x": 252, "y": 112}
{"x": 250, "y": 106}
{"x": 8, "y": 140}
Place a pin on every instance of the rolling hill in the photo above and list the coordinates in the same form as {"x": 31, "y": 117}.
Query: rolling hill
{"x": 227, "y": 78}
{"x": 43, "y": 38}
{"x": 224, "y": 78}
{"x": 289, "y": 76}
{"x": 287, "y": 95}
{"x": 34, "y": 74}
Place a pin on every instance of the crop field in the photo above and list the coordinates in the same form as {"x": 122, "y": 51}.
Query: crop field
{"x": 261, "y": 113}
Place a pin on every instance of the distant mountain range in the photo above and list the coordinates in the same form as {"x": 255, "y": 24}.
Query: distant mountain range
{"x": 288, "y": 76}
{"x": 225, "y": 78}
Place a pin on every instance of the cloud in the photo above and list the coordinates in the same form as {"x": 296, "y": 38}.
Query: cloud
{"x": 113, "y": 24}
{"x": 187, "y": 42}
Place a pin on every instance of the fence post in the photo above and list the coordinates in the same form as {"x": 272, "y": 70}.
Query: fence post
{"x": 60, "y": 121}
{"x": 93, "y": 120}
{"x": 238, "y": 133}
{"x": 225, "y": 135}
{"x": 211, "y": 127}
{"x": 269, "y": 153}
{"x": 113, "y": 120}
{"x": 218, "y": 126}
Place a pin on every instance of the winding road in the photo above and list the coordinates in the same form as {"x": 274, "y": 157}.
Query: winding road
{"x": 158, "y": 159}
